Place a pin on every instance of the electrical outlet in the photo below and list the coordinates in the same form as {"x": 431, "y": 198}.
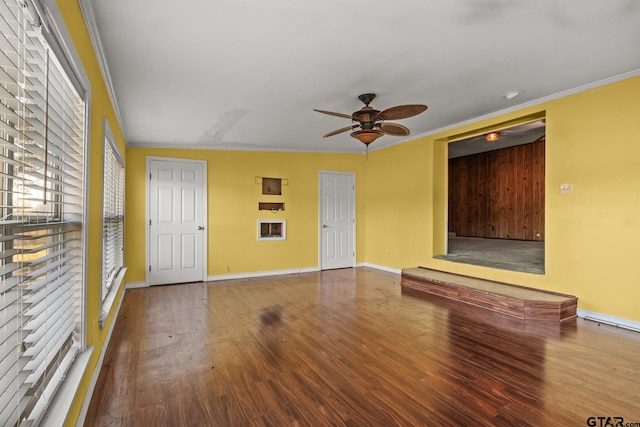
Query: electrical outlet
{"x": 566, "y": 188}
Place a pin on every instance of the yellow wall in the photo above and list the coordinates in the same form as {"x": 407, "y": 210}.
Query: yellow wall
{"x": 399, "y": 209}
{"x": 591, "y": 235}
{"x": 100, "y": 108}
{"x": 233, "y": 196}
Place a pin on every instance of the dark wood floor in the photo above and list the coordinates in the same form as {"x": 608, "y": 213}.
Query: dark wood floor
{"x": 347, "y": 347}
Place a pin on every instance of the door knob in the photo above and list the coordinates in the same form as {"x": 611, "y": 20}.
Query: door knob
{"x": 325, "y": 226}
{"x": 200, "y": 227}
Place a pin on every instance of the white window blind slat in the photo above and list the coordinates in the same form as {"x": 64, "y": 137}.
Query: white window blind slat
{"x": 59, "y": 274}
{"x": 47, "y": 245}
{"x": 8, "y": 128}
{"x": 9, "y": 283}
{"x": 8, "y": 237}
{"x": 37, "y": 177}
{"x": 45, "y": 339}
{"x": 7, "y": 80}
{"x": 54, "y": 317}
{"x": 10, "y": 66}
{"x": 57, "y": 135}
{"x": 38, "y": 163}
{"x": 9, "y": 316}
{"x": 8, "y": 41}
{"x": 38, "y": 296}
{"x": 9, "y": 99}
{"x": 9, "y": 160}
{"x": 8, "y": 298}
{"x": 8, "y": 113}
{"x": 40, "y": 364}
{"x": 49, "y": 266}
{"x": 9, "y": 268}
{"x": 11, "y": 147}
{"x": 11, "y": 407}
{"x": 6, "y": 363}
{"x": 16, "y": 367}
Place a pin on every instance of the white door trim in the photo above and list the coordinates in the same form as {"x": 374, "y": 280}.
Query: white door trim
{"x": 320, "y": 205}
{"x": 203, "y": 205}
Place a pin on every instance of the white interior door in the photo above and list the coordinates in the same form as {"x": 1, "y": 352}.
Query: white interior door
{"x": 337, "y": 220}
{"x": 177, "y": 215}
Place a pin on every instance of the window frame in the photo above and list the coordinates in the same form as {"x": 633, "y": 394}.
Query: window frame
{"x": 109, "y": 291}
{"x": 62, "y": 390}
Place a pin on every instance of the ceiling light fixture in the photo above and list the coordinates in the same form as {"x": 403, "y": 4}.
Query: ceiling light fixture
{"x": 492, "y": 136}
{"x": 367, "y": 136}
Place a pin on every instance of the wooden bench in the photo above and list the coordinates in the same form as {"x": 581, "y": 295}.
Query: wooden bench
{"x": 512, "y": 300}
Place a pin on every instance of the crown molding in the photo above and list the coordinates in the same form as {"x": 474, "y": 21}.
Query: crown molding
{"x": 88, "y": 14}
{"x": 532, "y": 103}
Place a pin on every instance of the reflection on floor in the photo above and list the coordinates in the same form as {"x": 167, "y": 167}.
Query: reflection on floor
{"x": 515, "y": 255}
{"x": 349, "y": 347}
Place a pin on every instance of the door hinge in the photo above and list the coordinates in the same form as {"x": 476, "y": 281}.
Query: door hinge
{"x": 149, "y": 222}
{"x": 149, "y": 177}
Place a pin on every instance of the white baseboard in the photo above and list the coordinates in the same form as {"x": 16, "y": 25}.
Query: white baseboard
{"x": 609, "y": 320}
{"x": 96, "y": 372}
{"x": 135, "y": 285}
{"x": 589, "y": 315}
{"x": 383, "y": 268}
{"x": 261, "y": 274}
{"x": 254, "y": 274}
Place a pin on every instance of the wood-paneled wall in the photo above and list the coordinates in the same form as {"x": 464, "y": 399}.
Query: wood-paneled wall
{"x": 498, "y": 194}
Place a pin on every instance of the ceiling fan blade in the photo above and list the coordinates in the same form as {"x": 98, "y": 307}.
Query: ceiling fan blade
{"x": 344, "y": 129}
{"x": 401, "y": 112}
{"x": 394, "y": 129}
{"x": 331, "y": 113}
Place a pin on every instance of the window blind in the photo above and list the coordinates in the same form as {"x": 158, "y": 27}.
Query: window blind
{"x": 112, "y": 216}
{"x": 41, "y": 217}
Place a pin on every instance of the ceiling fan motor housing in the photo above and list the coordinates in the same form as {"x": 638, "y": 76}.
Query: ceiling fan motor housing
{"x": 366, "y": 117}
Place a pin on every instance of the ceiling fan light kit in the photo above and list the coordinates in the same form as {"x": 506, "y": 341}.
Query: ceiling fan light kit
{"x": 369, "y": 123}
{"x": 367, "y": 136}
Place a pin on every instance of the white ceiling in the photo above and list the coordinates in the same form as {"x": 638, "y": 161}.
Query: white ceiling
{"x": 246, "y": 74}
{"x": 516, "y": 135}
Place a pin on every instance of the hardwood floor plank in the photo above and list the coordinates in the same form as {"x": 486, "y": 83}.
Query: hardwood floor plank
{"x": 350, "y": 348}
